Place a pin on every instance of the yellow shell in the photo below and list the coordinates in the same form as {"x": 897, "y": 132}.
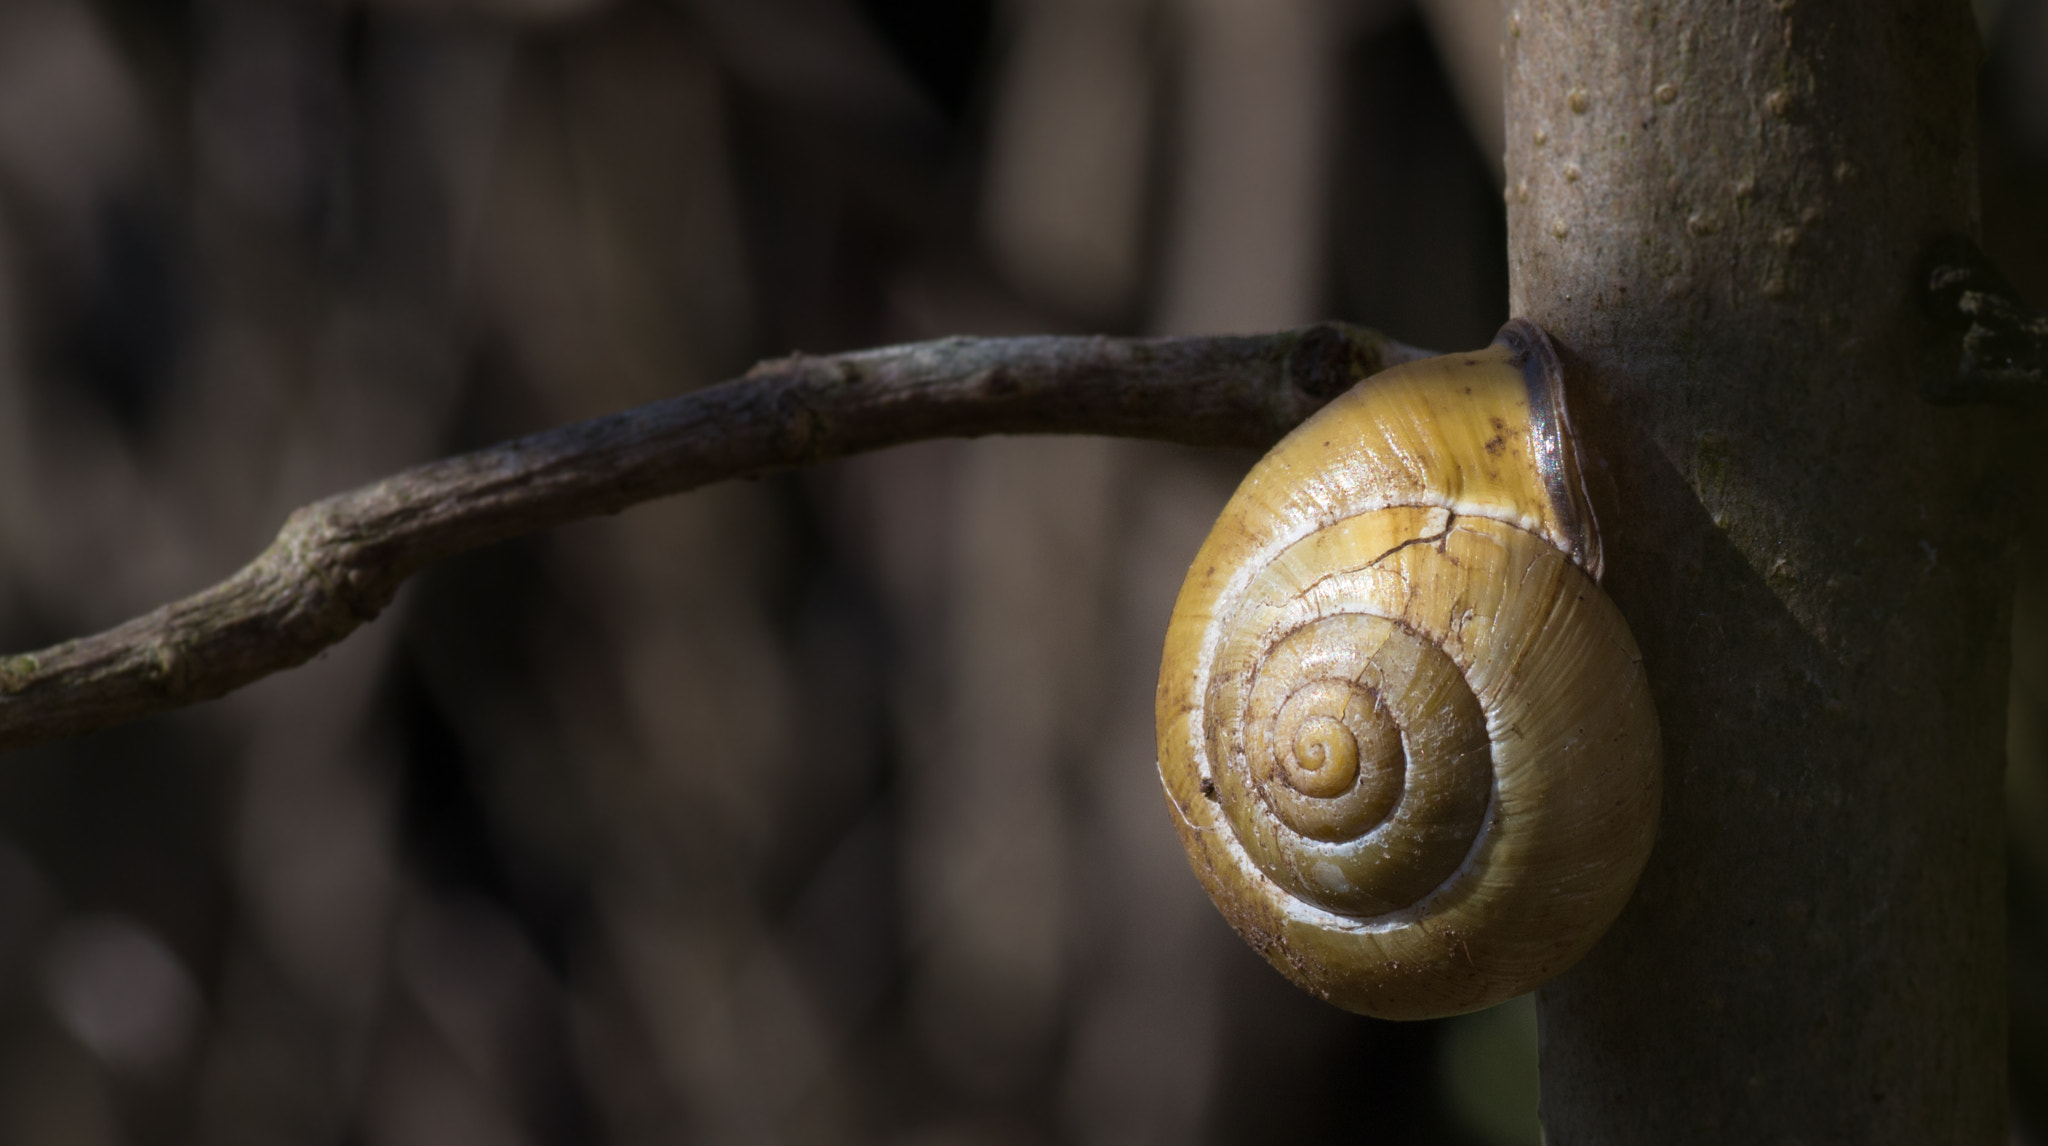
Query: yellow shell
{"x": 1407, "y": 739}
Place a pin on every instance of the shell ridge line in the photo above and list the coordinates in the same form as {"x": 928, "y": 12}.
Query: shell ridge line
{"x": 1302, "y": 911}
{"x": 1415, "y": 462}
{"x": 1398, "y": 917}
{"x": 1450, "y": 523}
{"x": 1179, "y": 812}
{"x": 1256, "y": 563}
{"x": 1560, "y": 602}
{"x": 1305, "y": 912}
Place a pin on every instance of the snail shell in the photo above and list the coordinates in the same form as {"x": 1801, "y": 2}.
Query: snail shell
{"x": 1407, "y": 739}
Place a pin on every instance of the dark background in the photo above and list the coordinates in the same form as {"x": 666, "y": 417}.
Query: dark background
{"x": 813, "y": 809}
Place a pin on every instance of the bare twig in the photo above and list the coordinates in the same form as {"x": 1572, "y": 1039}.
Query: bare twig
{"x": 337, "y": 563}
{"x": 2004, "y": 358}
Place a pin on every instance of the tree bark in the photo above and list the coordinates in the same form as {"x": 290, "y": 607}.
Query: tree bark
{"x": 1718, "y": 211}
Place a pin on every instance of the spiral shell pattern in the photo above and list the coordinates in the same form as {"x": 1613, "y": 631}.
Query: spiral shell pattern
{"x": 1407, "y": 738}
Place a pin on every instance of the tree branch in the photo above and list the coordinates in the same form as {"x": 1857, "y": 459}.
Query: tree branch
{"x": 2005, "y": 344}
{"x": 338, "y": 562}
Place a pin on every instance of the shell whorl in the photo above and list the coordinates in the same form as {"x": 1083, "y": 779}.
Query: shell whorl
{"x": 1408, "y": 740}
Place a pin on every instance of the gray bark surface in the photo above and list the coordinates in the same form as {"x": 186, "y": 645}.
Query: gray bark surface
{"x": 1718, "y": 211}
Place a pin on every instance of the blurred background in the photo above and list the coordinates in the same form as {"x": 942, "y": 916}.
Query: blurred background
{"x": 815, "y": 809}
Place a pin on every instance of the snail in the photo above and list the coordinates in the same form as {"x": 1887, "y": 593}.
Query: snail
{"x": 1407, "y": 739}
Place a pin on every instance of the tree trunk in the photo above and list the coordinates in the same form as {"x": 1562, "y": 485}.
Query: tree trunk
{"x": 1717, "y": 210}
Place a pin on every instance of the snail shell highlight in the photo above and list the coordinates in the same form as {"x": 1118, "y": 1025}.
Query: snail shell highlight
{"x": 1407, "y": 739}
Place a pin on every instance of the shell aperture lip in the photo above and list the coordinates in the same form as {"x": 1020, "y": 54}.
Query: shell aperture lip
{"x": 1555, "y": 440}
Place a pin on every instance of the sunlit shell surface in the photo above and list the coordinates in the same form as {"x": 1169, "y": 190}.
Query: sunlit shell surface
{"x": 1407, "y": 739}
